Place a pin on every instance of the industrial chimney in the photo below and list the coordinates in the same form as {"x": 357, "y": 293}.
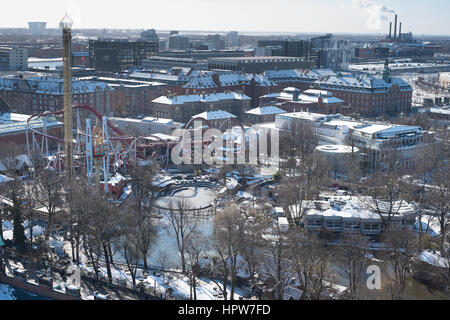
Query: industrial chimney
{"x": 395, "y": 27}
{"x": 400, "y": 31}
{"x": 390, "y": 30}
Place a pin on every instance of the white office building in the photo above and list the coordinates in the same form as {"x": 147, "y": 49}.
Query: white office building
{"x": 232, "y": 39}
{"x": 373, "y": 139}
{"x": 13, "y": 58}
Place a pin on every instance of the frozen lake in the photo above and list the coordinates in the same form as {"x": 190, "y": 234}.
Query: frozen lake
{"x": 200, "y": 197}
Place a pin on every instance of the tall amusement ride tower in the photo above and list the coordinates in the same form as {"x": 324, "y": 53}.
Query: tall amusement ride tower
{"x": 66, "y": 25}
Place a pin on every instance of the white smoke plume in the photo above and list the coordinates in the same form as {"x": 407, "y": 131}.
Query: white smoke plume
{"x": 74, "y": 12}
{"x": 373, "y": 12}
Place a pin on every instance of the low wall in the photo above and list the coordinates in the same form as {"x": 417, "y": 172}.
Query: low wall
{"x": 37, "y": 289}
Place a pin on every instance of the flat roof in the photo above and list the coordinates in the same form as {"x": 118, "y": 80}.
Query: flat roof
{"x": 265, "y": 110}
{"x": 215, "y": 115}
{"x": 256, "y": 58}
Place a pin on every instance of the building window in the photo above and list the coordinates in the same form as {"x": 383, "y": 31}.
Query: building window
{"x": 371, "y": 226}
{"x": 315, "y": 223}
{"x": 352, "y": 226}
{"x": 333, "y": 224}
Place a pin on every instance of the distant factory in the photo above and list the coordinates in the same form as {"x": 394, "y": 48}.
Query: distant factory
{"x": 401, "y": 36}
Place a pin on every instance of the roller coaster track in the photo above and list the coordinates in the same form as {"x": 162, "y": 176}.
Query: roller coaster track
{"x": 120, "y": 136}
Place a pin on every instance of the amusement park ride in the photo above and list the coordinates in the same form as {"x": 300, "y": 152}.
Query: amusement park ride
{"x": 93, "y": 148}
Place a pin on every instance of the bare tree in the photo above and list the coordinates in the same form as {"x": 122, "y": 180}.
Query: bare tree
{"x": 142, "y": 186}
{"x": 183, "y": 224}
{"x": 48, "y": 188}
{"x": 312, "y": 264}
{"x": 127, "y": 245}
{"x": 256, "y": 221}
{"x": 164, "y": 260}
{"x": 228, "y": 240}
{"x": 300, "y": 140}
{"x": 317, "y": 169}
{"x": 103, "y": 230}
{"x": 402, "y": 246}
{"x": 384, "y": 195}
{"x": 9, "y": 152}
{"x": 293, "y": 194}
{"x": 277, "y": 265}
{"x": 146, "y": 235}
{"x": 29, "y": 198}
{"x": 78, "y": 213}
{"x": 196, "y": 249}
{"x": 140, "y": 205}
{"x": 351, "y": 256}
{"x": 438, "y": 199}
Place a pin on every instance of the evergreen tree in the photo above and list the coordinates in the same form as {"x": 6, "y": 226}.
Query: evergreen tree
{"x": 18, "y": 231}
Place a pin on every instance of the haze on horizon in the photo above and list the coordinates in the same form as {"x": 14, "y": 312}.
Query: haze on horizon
{"x": 303, "y": 16}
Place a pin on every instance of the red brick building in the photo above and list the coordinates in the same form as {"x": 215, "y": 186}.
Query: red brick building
{"x": 39, "y": 94}
{"x": 134, "y": 98}
{"x": 253, "y": 86}
{"x": 188, "y": 82}
{"x": 366, "y": 94}
{"x": 312, "y": 100}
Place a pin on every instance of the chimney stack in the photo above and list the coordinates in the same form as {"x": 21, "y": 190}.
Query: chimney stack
{"x": 400, "y": 31}
{"x": 390, "y": 30}
{"x": 395, "y": 27}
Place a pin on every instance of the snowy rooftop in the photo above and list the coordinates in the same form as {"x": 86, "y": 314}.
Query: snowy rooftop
{"x": 328, "y": 78}
{"x": 387, "y": 130}
{"x": 160, "y": 136}
{"x": 155, "y": 76}
{"x": 347, "y": 207}
{"x": 380, "y": 130}
{"x": 215, "y": 115}
{"x": 266, "y": 110}
{"x": 308, "y": 96}
{"x": 304, "y": 115}
{"x": 434, "y": 258}
{"x": 16, "y": 122}
{"x": 316, "y": 92}
{"x": 178, "y": 100}
{"x": 53, "y": 86}
{"x": 232, "y": 78}
{"x": 439, "y": 110}
{"x": 158, "y": 120}
{"x": 337, "y": 148}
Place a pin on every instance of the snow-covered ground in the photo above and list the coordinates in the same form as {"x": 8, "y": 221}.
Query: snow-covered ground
{"x": 199, "y": 197}
{"x": 429, "y": 224}
{"x": 206, "y": 289}
{"x": 8, "y": 292}
{"x": 434, "y": 258}
{"x": 8, "y": 230}
{"x": 420, "y": 93}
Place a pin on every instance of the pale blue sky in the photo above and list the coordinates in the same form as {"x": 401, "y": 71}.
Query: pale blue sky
{"x": 338, "y": 16}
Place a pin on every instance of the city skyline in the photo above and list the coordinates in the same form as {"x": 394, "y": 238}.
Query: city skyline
{"x": 337, "y": 16}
